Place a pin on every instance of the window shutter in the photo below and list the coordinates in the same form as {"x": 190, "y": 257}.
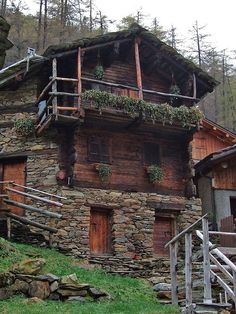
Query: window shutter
{"x": 93, "y": 149}
{"x": 99, "y": 149}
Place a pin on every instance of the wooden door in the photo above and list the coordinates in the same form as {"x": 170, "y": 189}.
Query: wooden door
{"x": 162, "y": 233}
{"x": 15, "y": 171}
{"x": 100, "y": 231}
{"x": 227, "y": 225}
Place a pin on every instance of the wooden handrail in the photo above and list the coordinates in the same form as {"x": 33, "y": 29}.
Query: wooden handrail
{"x": 148, "y": 91}
{"x": 39, "y": 191}
{"x": 44, "y": 91}
{"x": 188, "y": 229}
{"x": 66, "y": 79}
{"x": 218, "y": 252}
{"x": 32, "y": 208}
{"x": 32, "y": 223}
{"x": 45, "y": 200}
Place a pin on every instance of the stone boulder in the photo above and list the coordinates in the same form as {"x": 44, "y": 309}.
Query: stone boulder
{"x": 39, "y": 289}
{"x": 29, "y": 266}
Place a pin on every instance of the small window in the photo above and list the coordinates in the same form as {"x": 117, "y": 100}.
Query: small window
{"x": 151, "y": 154}
{"x": 99, "y": 149}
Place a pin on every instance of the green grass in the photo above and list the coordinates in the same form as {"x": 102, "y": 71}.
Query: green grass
{"x": 129, "y": 295}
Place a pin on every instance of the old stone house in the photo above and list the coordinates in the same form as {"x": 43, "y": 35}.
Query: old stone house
{"x": 114, "y": 117}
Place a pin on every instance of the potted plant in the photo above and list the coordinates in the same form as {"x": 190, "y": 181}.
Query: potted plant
{"x": 98, "y": 72}
{"x": 24, "y": 126}
{"x": 104, "y": 171}
{"x": 155, "y": 173}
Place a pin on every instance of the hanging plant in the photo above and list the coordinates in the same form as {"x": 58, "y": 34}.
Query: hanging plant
{"x": 24, "y": 126}
{"x": 160, "y": 113}
{"x": 104, "y": 171}
{"x": 155, "y": 173}
{"x": 98, "y": 72}
{"x": 174, "y": 89}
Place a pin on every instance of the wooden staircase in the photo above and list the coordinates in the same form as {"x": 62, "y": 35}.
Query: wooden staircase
{"x": 217, "y": 274}
{"x": 42, "y": 199}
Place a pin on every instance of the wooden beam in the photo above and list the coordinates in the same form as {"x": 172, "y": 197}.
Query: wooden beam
{"x": 206, "y": 263}
{"x": 188, "y": 229}
{"x": 188, "y": 272}
{"x": 79, "y": 87}
{"x": 138, "y": 68}
{"x": 67, "y": 108}
{"x": 32, "y": 223}
{"x": 39, "y": 191}
{"x": 220, "y": 267}
{"x": 65, "y": 79}
{"x": 34, "y": 209}
{"x": 44, "y": 91}
{"x": 45, "y": 200}
{"x": 54, "y": 85}
{"x": 63, "y": 94}
{"x": 98, "y": 46}
{"x": 173, "y": 272}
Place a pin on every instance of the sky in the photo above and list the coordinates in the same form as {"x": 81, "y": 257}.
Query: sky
{"x": 217, "y": 16}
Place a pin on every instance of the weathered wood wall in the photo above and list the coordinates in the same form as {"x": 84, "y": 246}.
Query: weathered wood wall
{"x": 225, "y": 178}
{"x": 125, "y": 73}
{"x": 204, "y": 143}
{"x": 127, "y": 162}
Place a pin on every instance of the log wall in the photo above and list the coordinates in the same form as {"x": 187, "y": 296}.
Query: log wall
{"x": 225, "y": 178}
{"x": 204, "y": 143}
{"x": 127, "y": 162}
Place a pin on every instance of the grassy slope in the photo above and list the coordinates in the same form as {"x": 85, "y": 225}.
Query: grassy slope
{"x": 128, "y": 295}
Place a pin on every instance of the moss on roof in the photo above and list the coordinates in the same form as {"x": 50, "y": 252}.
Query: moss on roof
{"x": 144, "y": 34}
{"x": 149, "y": 38}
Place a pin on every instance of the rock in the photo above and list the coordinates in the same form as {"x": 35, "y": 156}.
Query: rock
{"x": 162, "y": 287}
{"x": 54, "y": 286}
{"x": 96, "y": 293}
{"x": 69, "y": 279}
{"x": 20, "y": 286}
{"x": 156, "y": 280}
{"x": 39, "y": 289}
{"x": 6, "y": 279}
{"x": 76, "y": 299}
{"x": 29, "y": 266}
{"x": 33, "y": 300}
{"x": 49, "y": 277}
{"x": 27, "y": 278}
{"x": 6, "y": 293}
{"x": 164, "y": 295}
{"x": 54, "y": 296}
{"x": 68, "y": 292}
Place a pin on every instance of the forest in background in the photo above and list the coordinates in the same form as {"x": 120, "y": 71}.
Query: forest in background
{"x": 57, "y": 21}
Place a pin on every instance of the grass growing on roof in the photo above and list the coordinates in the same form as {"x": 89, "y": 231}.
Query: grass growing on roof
{"x": 129, "y": 295}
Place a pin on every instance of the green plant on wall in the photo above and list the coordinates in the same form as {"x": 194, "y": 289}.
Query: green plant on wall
{"x": 98, "y": 72}
{"x": 155, "y": 173}
{"x": 162, "y": 113}
{"x": 24, "y": 126}
{"x": 104, "y": 171}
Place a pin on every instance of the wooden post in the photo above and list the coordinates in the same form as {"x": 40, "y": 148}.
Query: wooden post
{"x": 206, "y": 263}
{"x": 50, "y": 239}
{"x": 79, "y": 74}
{"x": 54, "y": 86}
{"x": 8, "y": 228}
{"x": 138, "y": 68}
{"x": 194, "y": 86}
{"x": 234, "y": 289}
{"x": 188, "y": 272}
{"x": 173, "y": 272}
